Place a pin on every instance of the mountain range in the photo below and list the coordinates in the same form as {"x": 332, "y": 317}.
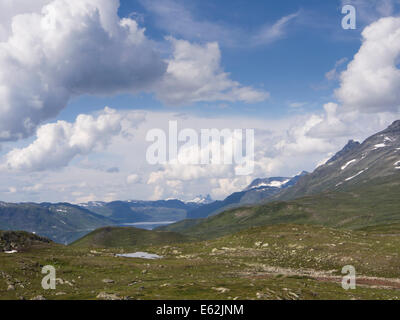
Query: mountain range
{"x": 65, "y": 222}
{"x": 357, "y": 187}
{"x": 258, "y": 190}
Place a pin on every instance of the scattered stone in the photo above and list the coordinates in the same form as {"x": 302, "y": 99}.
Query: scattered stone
{"x": 165, "y": 285}
{"x": 261, "y": 295}
{"x": 10, "y": 287}
{"x": 221, "y": 290}
{"x": 294, "y": 295}
{"x": 60, "y": 293}
{"x": 61, "y": 281}
{"x": 258, "y": 244}
{"x": 69, "y": 283}
{"x": 108, "y": 281}
{"x": 108, "y": 296}
{"x": 144, "y": 271}
{"x": 38, "y": 298}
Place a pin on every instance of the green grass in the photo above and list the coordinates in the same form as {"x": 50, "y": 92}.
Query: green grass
{"x": 127, "y": 237}
{"x": 270, "y": 262}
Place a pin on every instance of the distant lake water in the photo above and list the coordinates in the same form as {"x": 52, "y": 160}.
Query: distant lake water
{"x": 148, "y": 225}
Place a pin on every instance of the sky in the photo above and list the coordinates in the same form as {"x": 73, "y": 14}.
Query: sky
{"x": 82, "y": 83}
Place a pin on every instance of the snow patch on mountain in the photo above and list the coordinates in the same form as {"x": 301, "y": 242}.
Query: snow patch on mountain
{"x": 348, "y": 163}
{"x": 356, "y": 175}
{"x": 379, "y": 145}
{"x": 92, "y": 204}
{"x": 275, "y": 183}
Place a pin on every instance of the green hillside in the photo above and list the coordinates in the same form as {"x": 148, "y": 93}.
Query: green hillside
{"x": 366, "y": 204}
{"x": 123, "y": 237}
{"x": 20, "y": 240}
{"x": 355, "y": 164}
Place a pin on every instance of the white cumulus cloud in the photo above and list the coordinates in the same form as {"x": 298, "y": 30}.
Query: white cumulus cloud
{"x": 194, "y": 74}
{"x": 65, "y": 49}
{"x": 371, "y": 82}
{"x": 58, "y": 143}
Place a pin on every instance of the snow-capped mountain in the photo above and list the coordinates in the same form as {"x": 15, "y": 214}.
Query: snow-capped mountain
{"x": 258, "y": 190}
{"x": 376, "y": 158}
{"x": 200, "y": 199}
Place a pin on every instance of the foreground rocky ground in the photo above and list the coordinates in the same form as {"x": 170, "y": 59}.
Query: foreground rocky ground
{"x": 275, "y": 262}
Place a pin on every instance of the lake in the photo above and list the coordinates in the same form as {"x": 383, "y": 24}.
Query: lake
{"x": 148, "y": 225}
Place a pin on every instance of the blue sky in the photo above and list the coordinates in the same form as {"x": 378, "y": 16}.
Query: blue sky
{"x": 82, "y": 83}
{"x": 292, "y": 67}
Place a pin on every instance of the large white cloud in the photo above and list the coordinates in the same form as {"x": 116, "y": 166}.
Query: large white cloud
{"x": 58, "y": 143}
{"x": 67, "y": 49}
{"x": 371, "y": 82}
{"x": 194, "y": 74}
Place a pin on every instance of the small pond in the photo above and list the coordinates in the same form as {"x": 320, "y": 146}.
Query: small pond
{"x": 142, "y": 255}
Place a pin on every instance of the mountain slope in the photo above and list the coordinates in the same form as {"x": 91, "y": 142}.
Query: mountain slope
{"x": 60, "y": 222}
{"x": 113, "y": 237}
{"x": 378, "y": 156}
{"x": 373, "y": 203}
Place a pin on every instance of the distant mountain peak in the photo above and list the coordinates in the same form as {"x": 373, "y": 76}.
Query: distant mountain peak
{"x": 200, "y": 199}
{"x": 351, "y": 145}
